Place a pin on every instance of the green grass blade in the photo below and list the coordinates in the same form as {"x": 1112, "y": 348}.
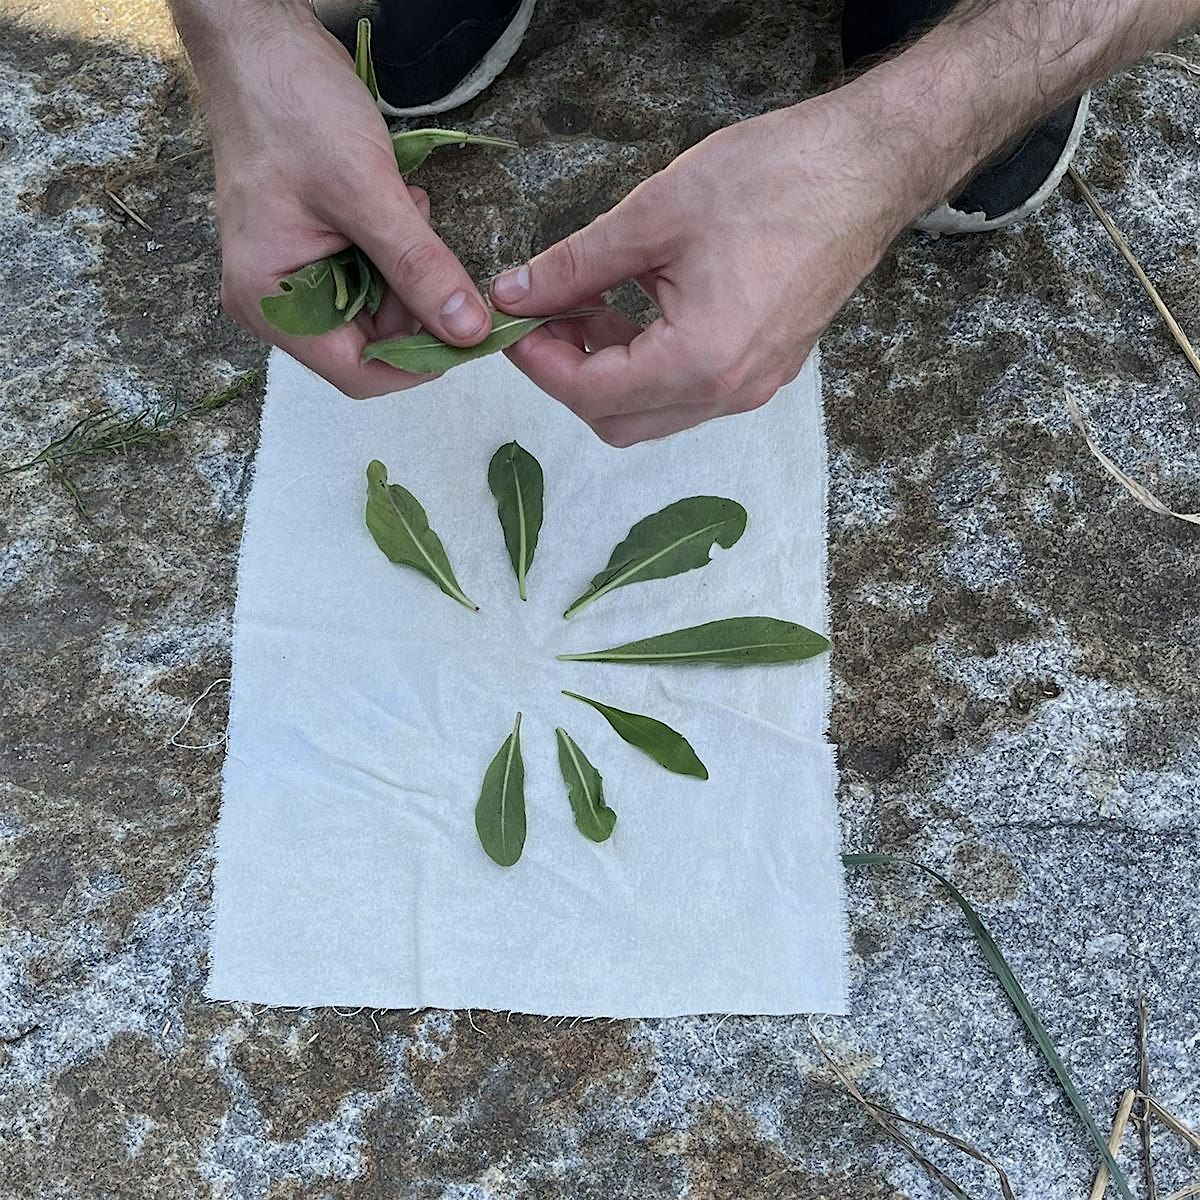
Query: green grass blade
{"x": 1020, "y": 1001}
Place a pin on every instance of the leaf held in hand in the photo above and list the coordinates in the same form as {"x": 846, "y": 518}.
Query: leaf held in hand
{"x": 585, "y": 789}
{"x": 401, "y": 530}
{"x": 515, "y": 479}
{"x": 425, "y": 354}
{"x": 673, "y": 540}
{"x": 500, "y": 810}
{"x": 364, "y": 64}
{"x": 668, "y": 748}
{"x": 306, "y": 307}
{"x": 735, "y": 641}
{"x": 413, "y": 147}
{"x": 321, "y": 296}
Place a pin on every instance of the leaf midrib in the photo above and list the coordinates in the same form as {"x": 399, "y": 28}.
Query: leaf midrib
{"x": 580, "y": 776}
{"x": 623, "y": 576}
{"x": 416, "y": 541}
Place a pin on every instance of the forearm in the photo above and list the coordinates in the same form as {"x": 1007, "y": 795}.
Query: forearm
{"x": 993, "y": 68}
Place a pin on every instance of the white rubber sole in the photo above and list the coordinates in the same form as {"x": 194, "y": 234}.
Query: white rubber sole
{"x": 482, "y": 77}
{"x": 945, "y": 219}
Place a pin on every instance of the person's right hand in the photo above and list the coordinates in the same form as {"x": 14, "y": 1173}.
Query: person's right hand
{"x": 304, "y": 167}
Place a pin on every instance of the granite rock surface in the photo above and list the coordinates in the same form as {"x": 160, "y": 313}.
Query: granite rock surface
{"x": 1016, "y": 666}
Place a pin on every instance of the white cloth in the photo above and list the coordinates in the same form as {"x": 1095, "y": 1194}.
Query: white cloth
{"x": 366, "y": 706}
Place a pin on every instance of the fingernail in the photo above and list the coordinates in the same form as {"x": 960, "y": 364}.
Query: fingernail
{"x": 511, "y": 286}
{"x": 463, "y": 315}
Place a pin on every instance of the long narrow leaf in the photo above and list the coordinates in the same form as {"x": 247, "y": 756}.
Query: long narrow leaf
{"x": 500, "y": 811}
{"x": 1020, "y": 1001}
{"x": 401, "y": 530}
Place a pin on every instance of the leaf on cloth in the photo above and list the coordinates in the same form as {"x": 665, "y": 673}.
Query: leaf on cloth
{"x": 673, "y": 540}
{"x": 735, "y": 641}
{"x": 668, "y": 748}
{"x": 585, "y": 790}
{"x": 401, "y": 530}
{"x": 515, "y": 479}
{"x": 500, "y": 811}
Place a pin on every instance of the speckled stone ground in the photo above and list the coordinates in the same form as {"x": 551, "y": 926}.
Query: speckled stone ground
{"x": 1016, "y": 667}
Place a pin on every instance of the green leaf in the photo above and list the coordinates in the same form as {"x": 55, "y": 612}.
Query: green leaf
{"x": 515, "y": 478}
{"x": 500, "y": 810}
{"x": 401, "y": 530}
{"x": 735, "y": 641}
{"x": 585, "y": 789}
{"x": 364, "y": 64}
{"x": 321, "y": 296}
{"x": 673, "y": 540}
{"x": 307, "y": 306}
{"x": 415, "y": 146}
{"x": 668, "y": 748}
{"x": 425, "y": 354}
{"x": 1020, "y": 1001}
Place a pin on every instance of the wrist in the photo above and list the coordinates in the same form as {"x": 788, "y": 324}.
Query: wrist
{"x": 217, "y": 33}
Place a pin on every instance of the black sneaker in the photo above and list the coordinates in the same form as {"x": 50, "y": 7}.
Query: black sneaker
{"x": 1022, "y": 176}
{"x": 433, "y": 55}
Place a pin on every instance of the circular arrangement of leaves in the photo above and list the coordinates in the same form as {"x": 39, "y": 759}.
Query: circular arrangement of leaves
{"x": 675, "y": 539}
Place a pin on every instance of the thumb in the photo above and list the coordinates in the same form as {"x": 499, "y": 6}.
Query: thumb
{"x": 421, "y": 269}
{"x": 573, "y": 272}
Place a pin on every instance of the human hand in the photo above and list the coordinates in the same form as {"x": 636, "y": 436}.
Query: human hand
{"x": 304, "y": 167}
{"x": 749, "y": 243}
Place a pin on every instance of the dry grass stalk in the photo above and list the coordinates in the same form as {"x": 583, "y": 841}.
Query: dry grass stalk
{"x": 125, "y": 208}
{"x": 1118, "y": 239}
{"x": 1172, "y": 1122}
{"x": 1184, "y": 1193}
{"x": 1142, "y": 495}
{"x": 1176, "y": 60}
{"x": 890, "y": 1123}
{"x": 1142, "y": 1117}
{"x": 1120, "y": 1124}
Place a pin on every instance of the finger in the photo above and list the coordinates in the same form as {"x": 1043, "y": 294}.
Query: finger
{"x": 644, "y": 427}
{"x": 656, "y": 369}
{"x": 607, "y": 328}
{"x": 420, "y": 197}
{"x": 336, "y": 356}
{"x": 418, "y": 266}
{"x": 391, "y": 320}
{"x": 612, "y": 249}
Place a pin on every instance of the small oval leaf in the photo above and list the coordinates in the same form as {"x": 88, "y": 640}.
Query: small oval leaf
{"x": 425, "y": 354}
{"x": 515, "y": 479}
{"x": 673, "y": 540}
{"x": 585, "y": 790}
{"x": 667, "y": 747}
{"x": 401, "y": 530}
{"x": 414, "y": 146}
{"x": 734, "y": 641}
{"x": 500, "y": 810}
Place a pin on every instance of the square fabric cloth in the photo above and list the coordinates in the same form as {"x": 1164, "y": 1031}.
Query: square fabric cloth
{"x": 366, "y": 706}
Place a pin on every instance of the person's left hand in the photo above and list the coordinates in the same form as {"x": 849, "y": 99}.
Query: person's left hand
{"x": 748, "y": 243}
